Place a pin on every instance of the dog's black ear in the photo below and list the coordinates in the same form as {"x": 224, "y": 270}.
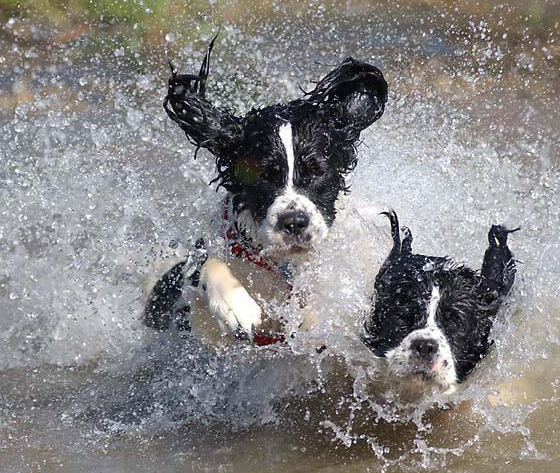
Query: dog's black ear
{"x": 205, "y": 125}
{"x": 498, "y": 266}
{"x": 355, "y": 92}
{"x": 395, "y": 234}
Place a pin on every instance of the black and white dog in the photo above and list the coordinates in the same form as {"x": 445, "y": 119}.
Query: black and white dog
{"x": 283, "y": 167}
{"x": 431, "y": 317}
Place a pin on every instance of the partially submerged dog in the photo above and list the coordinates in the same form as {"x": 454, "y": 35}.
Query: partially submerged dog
{"x": 283, "y": 167}
{"x": 431, "y": 317}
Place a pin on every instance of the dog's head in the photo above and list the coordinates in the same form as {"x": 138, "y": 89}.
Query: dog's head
{"x": 431, "y": 317}
{"x": 284, "y": 165}
{"x": 431, "y": 326}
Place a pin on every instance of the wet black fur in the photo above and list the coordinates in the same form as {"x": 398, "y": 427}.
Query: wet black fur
{"x": 163, "y": 297}
{"x": 250, "y": 157}
{"x": 469, "y": 299}
{"x": 164, "y": 301}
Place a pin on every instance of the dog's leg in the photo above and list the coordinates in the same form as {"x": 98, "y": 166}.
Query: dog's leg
{"x": 165, "y": 301}
{"x": 228, "y": 301}
{"x": 163, "y": 297}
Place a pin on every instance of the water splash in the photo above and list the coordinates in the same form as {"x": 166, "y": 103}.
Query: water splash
{"x": 100, "y": 189}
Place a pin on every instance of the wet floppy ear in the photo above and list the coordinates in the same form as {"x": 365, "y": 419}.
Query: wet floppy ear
{"x": 205, "y": 125}
{"x": 355, "y": 94}
{"x": 395, "y": 235}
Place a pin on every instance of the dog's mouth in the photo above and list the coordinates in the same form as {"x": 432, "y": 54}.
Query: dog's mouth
{"x": 422, "y": 375}
{"x": 427, "y": 373}
{"x": 283, "y": 242}
{"x": 293, "y": 224}
{"x": 303, "y": 241}
{"x": 434, "y": 372}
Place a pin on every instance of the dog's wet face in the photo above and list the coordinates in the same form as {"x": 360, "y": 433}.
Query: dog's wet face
{"x": 431, "y": 316}
{"x": 288, "y": 180}
{"x": 283, "y": 165}
{"x": 431, "y": 326}
{"x": 410, "y": 338}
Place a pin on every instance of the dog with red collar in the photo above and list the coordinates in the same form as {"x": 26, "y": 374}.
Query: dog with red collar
{"x": 283, "y": 167}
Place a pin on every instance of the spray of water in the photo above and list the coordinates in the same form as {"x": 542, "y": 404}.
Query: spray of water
{"x": 100, "y": 193}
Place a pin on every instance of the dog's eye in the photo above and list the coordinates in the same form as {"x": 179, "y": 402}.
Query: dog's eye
{"x": 311, "y": 169}
{"x": 273, "y": 173}
{"x": 451, "y": 317}
{"x": 247, "y": 170}
{"x": 313, "y": 163}
{"x": 315, "y": 168}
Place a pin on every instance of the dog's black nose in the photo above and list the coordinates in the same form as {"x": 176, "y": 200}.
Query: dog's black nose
{"x": 424, "y": 348}
{"x": 293, "y": 222}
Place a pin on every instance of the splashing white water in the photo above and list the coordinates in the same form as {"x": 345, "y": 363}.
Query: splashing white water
{"x": 90, "y": 193}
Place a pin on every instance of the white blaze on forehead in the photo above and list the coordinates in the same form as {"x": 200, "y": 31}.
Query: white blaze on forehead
{"x": 285, "y": 133}
{"x": 433, "y": 305}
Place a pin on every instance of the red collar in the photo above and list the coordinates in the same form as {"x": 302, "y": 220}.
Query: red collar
{"x": 243, "y": 247}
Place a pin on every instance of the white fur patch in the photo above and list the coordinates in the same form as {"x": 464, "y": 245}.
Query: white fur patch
{"x": 228, "y": 301}
{"x": 247, "y": 224}
{"x": 433, "y": 305}
{"x": 286, "y": 135}
{"x": 236, "y": 308}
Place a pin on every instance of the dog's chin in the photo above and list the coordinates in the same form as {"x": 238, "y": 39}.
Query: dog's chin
{"x": 419, "y": 382}
{"x": 423, "y": 377}
{"x": 298, "y": 249}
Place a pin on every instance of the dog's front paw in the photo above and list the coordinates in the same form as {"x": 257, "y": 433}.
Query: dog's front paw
{"x": 229, "y": 302}
{"x": 235, "y": 308}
